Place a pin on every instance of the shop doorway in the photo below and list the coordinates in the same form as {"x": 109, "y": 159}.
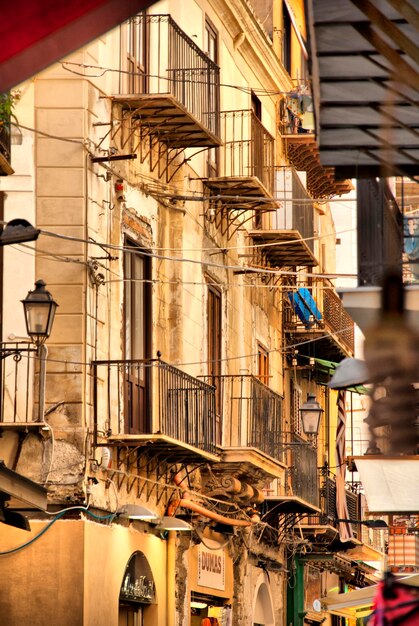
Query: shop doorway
{"x": 209, "y": 610}
{"x": 129, "y": 616}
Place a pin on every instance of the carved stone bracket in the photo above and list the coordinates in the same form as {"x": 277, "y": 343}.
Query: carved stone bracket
{"x": 223, "y": 485}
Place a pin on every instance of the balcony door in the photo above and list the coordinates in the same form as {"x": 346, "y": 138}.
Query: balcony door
{"x": 211, "y": 49}
{"x": 134, "y": 55}
{"x": 214, "y": 350}
{"x": 137, "y": 335}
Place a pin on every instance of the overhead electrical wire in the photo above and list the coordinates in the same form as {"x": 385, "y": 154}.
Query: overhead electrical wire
{"x": 170, "y": 79}
{"x": 152, "y": 361}
{"x": 207, "y": 263}
{"x": 82, "y": 509}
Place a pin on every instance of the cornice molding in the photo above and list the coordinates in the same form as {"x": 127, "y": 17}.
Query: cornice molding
{"x": 256, "y": 48}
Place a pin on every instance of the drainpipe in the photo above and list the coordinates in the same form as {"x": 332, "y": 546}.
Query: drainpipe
{"x": 197, "y": 508}
{"x": 170, "y": 577}
{"x": 42, "y": 353}
{"x": 186, "y": 503}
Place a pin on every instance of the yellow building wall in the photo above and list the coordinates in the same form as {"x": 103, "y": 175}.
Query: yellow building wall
{"x": 107, "y": 552}
{"x": 45, "y": 579}
{"x": 72, "y": 574}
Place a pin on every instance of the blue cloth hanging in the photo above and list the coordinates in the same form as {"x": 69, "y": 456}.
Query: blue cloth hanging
{"x": 305, "y": 306}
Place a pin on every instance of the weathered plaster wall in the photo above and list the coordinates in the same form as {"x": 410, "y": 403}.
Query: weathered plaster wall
{"x": 44, "y": 580}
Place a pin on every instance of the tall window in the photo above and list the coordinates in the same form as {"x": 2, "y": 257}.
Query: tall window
{"x": 211, "y": 49}
{"x": 214, "y": 347}
{"x": 135, "y": 53}
{"x": 257, "y": 149}
{"x": 137, "y": 331}
{"x": 263, "y": 365}
{"x": 286, "y": 38}
{"x": 256, "y": 106}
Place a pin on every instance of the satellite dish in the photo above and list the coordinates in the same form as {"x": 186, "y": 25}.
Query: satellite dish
{"x": 317, "y": 605}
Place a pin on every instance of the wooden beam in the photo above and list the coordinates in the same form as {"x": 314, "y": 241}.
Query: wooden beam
{"x": 402, "y": 71}
{"x": 388, "y": 27}
{"x": 407, "y": 10}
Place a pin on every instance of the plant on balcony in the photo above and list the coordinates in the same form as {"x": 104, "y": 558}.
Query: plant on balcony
{"x": 7, "y": 103}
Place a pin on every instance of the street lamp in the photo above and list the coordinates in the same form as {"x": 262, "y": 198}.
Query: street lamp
{"x": 39, "y": 307}
{"x": 311, "y": 413}
{"x": 18, "y": 231}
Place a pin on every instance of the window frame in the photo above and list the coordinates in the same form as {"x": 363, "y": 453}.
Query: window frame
{"x": 134, "y": 55}
{"x": 263, "y": 364}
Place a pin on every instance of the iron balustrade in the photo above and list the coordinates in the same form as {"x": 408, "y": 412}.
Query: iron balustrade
{"x": 5, "y": 139}
{"x": 248, "y": 147}
{"x": 328, "y": 506}
{"x": 297, "y": 209}
{"x": 175, "y": 65}
{"x": 335, "y": 319}
{"x": 303, "y": 471}
{"x": 150, "y": 396}
{"x": 17, "y": 383}
{"x": 251, "y": 413}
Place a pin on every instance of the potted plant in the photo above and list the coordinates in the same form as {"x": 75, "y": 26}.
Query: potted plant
{"x": 7, "y": 103}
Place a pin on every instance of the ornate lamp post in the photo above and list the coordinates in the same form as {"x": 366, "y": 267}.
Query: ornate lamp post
{"x": 311, "y": 413}
{"x": 39, "y": 307}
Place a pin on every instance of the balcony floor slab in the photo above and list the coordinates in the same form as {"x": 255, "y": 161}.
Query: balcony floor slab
{"x": 253, "y": 463}
{"x": 291, "y": 504}
{"x": 241, "y": 190}
{"x": 166, "y": 117}
{"x": 166, "y": 447}
{"x": 284, "y": 247}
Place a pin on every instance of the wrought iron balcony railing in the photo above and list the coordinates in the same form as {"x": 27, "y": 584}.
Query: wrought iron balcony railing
{"x": 17, "y": 377}
{"x": 248, "y": 148}
{"x": 326, "y": 315}
{"x": 303, "y": 471}
{"x": 297, "y": 212}
{"x": 251, "y": 413}
{"x": 150, "y": 396}
{"x": 5, "y": 146}
{"x": 5, "y": 140}
{"x": 328, "y": 506}
{"x": 287, "y": 229}
{"x": 172, "y": 64}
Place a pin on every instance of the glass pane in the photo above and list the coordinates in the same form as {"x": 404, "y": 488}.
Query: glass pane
{"x": 37, "y": 317}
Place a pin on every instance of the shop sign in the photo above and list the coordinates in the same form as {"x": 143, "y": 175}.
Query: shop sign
{"x": 211, "y": 568}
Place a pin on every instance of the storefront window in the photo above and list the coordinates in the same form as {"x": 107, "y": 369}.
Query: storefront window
{"x": 209, "y": 610}
{"x": 137, "y": 591}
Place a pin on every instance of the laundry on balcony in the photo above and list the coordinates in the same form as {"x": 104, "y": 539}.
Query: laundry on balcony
{"x": 305, "y": 306}
{"x": 297, "y": 113}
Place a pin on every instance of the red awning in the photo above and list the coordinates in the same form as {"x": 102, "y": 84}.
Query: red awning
{"x": 36, "y": 33}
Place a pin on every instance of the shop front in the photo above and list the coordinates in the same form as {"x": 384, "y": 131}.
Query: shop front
{"x": 210, "y": 582}
{"x": 125, "y": 574}
{"x": 138, "y": 591}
